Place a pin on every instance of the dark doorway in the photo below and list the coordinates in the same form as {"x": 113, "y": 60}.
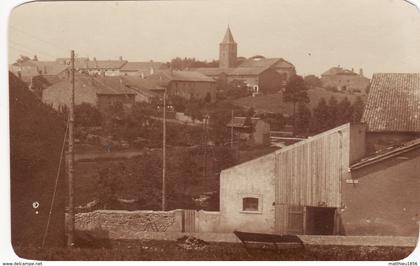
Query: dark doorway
{"x": 320, "y": 221}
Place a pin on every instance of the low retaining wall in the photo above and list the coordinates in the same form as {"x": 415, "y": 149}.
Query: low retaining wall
{"x": 119, "y": 224}
{"x": 127, "y": 224}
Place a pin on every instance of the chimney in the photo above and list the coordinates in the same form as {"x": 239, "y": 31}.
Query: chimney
{"x": 352, "y": 69}
{"x": 35, "y": 58}
{"x": 121, "y": 58}
{"x": 361, "y": 72}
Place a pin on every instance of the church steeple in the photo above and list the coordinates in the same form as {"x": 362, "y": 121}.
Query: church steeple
{"x": 228, "y": 36}
{"x": 227, "y": 51}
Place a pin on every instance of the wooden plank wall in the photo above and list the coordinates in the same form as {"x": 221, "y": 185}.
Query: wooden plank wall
{"x": 309, "y": 173}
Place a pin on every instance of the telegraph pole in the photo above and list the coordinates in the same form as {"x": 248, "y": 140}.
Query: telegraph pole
{"x": 70, "y": 164}
{"x": 205, "y": 144}
{"x": 231, "y": 131}
{"x": 164, "y": 154}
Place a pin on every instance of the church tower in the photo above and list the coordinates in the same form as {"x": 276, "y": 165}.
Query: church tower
{"x": 227, "y": 51}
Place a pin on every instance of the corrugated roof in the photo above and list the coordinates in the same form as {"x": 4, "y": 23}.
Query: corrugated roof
{"x": 387, "y": 153}
{"x": 393, "y": 103}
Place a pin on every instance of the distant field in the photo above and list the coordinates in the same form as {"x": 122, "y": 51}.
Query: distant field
{"x": 169, "y": 250}
{"x": 274, "y": 102}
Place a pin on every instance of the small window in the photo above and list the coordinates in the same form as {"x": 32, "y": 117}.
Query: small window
{"x": 250, "y": 204}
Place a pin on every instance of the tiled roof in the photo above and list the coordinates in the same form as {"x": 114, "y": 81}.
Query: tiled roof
{"x": 266, "y": 62}
{"x": 387, "y": 153}
{"x": 337, "y": 71}
{"x": 141, "y": 66}
{"x": 100, "y": 64}
{"x": 131, "y": 84}
{"x": 193, "y": 76}
{"x": 34, "y": 68}
{"x": 239, "y": 71}
{"x": 393, "y": 103}
{"x": 212, "y": 71}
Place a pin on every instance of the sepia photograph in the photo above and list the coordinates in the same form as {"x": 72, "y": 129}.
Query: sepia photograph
{"x": 272, "y": 130}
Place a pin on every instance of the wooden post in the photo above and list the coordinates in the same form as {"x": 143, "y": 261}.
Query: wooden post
{"x": 164, "y": 154}
{"x": 231, "y": 131}
{"x": 70, "y": 164}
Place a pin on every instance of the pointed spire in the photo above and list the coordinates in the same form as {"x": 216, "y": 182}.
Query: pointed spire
{"x": 228, "y": 36}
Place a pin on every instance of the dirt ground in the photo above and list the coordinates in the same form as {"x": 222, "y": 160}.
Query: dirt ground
{"x": 169, "y": 250}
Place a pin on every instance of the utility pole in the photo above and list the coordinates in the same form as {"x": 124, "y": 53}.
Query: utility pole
{"x": 70, "y": 164}
{"x": 206, "y": 119}
{"x": 164, "y": 154}
{"x": 231, "y": 131}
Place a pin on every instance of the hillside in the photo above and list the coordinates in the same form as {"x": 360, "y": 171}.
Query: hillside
{"x": 273, "y": 103}
{"x": 36, "y": 135}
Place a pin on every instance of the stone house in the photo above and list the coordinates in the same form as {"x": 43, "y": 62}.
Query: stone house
{"x": 38, "y": 75}
{"x": 186, "y": 84}
{"x": 91, "y": 90}
{"x": 100, "y": 67}
{"x": 345, "y": 80}
{"x": 253, "y": 131}
{"x": 265, "y": 75}
{"x": 392, "y": 111}
{"x": 141, "y": 69}
{"x": 108, "y": 97}
{"x": 58, "y": 95}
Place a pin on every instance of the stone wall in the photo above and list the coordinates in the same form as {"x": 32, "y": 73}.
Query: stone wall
{"x": 127, "y": 224}
{"x": 118, "y": 224}
{"x": 207, "y": 221}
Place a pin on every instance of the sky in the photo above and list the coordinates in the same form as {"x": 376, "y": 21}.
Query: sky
{"x": 376, "y": 35}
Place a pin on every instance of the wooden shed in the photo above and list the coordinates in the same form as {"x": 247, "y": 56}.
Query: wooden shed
{"x": 297, "y": 189}
{"x": 308, "y": 178}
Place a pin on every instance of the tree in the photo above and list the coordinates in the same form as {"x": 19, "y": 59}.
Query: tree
{"x": 358, "y": 108}
{"x": 237, "y": 89}
{"x": 107, "y": 187}
{"x": 320, "y": 117}
{"x": 295, "y": 92}
{"x": 178, "y": 103}
{"x": 332, "y": 113}
{"x": 312, "y": 81}
{"x": 87, "y": 115}
{"x": 344, "y": 111}
{"x": 303, "y": 119}
{"x": 207, "y": 99}
{"x": 193, "y": 109}
{"x": 189, "y": 169}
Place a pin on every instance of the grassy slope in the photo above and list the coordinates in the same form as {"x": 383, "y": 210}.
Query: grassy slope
{"x": 167, "y": 250}
{"x": 274, "y": 102}
{"x": 36, "y": 135}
